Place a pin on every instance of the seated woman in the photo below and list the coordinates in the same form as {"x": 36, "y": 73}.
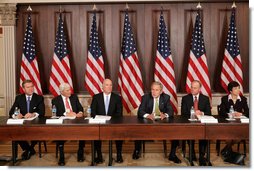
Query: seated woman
{"x": 240, "y": 106}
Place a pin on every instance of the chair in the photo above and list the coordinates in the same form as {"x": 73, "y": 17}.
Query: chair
{"x": 164, "y": 148}
{"x": 238, "y": 145}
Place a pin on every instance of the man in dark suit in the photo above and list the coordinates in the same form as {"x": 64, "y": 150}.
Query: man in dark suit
{"x": 107, "y": 103}
{"x": 68, "y": 104}
{"x": 28, "y": 104}
{"x": 201, "y": 104}
{"x": 156, "y": 104}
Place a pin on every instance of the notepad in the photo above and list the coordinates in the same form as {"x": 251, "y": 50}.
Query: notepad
{"x": 15, "y": 121}
{"x": 67, "y": 117}
{"x": 209, "y": 120}
{"x": 54, "y": 121}
{"x": 97, "y": 121}
{"x": 244, "y": 120}
{"x": 107, "y": 118}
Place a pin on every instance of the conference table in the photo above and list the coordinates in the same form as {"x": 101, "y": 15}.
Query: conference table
{"x": 125, "y": 128}
{"x": 37, "y": 129}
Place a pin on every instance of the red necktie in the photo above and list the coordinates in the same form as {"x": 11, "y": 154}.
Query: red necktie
{"x": 196, "y": 103}
{"x": 67, "y": 105}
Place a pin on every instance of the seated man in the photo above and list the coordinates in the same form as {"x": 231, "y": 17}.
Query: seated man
{"x": 28, "y": 104}
{"x": 154, "y": 104}
{"x": 68, "y": 104}
{"x": 201, "y": 106}
{"x": 107, "y": 103}
{"x": 240, "y": 106}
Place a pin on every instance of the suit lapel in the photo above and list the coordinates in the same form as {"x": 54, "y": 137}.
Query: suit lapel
{"x": 161, "y": 102}
{"x": 111, "y": 100}
{"x": 72, "y": 103}
{"x": 32, "y": 103}
{"x": 61, "y": 103}
{"x": 23, "y": 102}
{"x": 150, "y": 104}
{"x": 191, "y": 100}
{"x": 103, "y": 104}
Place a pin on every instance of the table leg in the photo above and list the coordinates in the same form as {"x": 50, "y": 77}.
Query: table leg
{"x": 92, "y": 156}
{"x": 110, "y": 153}
{"x": 14, "y": 152}
{"x": 190, "y": 153}
{"x": 208, "y": 153}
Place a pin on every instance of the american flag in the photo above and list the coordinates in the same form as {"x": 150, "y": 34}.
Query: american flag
{"x": 29, "y": 65}
{"x": 60, "y": 70}
{"x": 232, "y": 63}
{"x": 95, "y": 65}
{"x": 164, "y": 66}
{"x": 197, "y": 67}
{"x": 129, "y": 78}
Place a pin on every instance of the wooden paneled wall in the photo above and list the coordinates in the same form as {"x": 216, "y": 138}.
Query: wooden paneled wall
{"x": 144, "y": 17}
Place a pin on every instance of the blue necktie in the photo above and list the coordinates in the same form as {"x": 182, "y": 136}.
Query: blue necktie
{"x": 106, "y": 105}
{"x": 28, "y": 104}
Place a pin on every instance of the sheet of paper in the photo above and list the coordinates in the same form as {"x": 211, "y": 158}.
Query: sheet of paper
{"x": 15, "y": 121}
{"x": 209, "y": 120}
{"x": 245, "y": 120}
{"x": 30, "y": 119}
{"x": 54, "y": 121}
{"x": 103, "y": 117}
{"x": 97, "y": 121}
{"x": 67, "y": 117}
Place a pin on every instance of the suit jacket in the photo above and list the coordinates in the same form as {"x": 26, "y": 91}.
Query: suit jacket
{"x": 239, "y": 106}
{"x": 36, "y": 105}
{"x": 146, "y": 106}
{"x": 59, "y": 103}
{"x": 115, "y": 108}
{"x": 203, "y": 105}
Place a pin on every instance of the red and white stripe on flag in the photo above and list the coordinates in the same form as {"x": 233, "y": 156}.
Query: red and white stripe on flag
{"x": 231, "y": 70}
{"x": 130, "y": 82}
{"x": 94, "y": 74}
{"x": 164, "y": 73}
{"x": 60, "y": 73}
{"x": 30, "y": 71}
{"x": 198, "y": 70}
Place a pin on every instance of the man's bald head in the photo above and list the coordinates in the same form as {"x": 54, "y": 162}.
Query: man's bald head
{"x": 107, "y": 86}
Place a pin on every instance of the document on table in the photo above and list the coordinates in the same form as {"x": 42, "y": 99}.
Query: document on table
{"x": 15, "y": 121}
{"x": 94, "y": 120}
{"x": 54, "y": 121}
{"x": 67, "y": 117}
{"x": 21, "y": 121}
{"x": 107, "y": 118}
{"x": 207, "y": 119}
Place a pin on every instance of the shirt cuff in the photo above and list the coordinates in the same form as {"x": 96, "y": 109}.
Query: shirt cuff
{"x": 166, "y": 115}
{"x": 145, "y": 115}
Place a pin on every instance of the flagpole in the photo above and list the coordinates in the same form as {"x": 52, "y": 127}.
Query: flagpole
{"x": 60, "y": 9}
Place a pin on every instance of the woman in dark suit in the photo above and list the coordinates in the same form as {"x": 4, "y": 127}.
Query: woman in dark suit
{"x": 241, "y": 108}
{"x": 234, "y": 99}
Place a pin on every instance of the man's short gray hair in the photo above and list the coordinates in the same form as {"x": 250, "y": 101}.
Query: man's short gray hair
{"x": 157, "y": 83}
{"x": 64, "y": 86}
